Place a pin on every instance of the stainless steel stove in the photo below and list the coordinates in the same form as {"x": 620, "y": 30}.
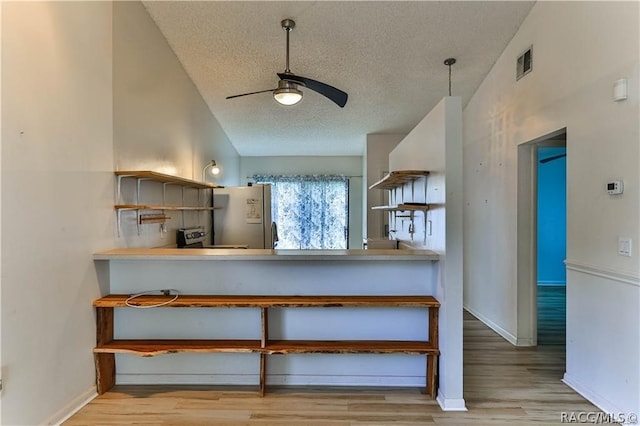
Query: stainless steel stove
{"x": 191, "y": 237}
{"x": 195, "y": 238}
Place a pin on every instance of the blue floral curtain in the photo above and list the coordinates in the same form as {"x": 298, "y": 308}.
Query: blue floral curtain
{"x": 311, "y": 212}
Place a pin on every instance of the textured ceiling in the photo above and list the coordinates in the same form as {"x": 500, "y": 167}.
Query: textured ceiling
{"x": 388, "y": 56}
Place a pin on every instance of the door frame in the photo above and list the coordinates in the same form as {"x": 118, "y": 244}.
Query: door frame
{"x": 527, "y": 234}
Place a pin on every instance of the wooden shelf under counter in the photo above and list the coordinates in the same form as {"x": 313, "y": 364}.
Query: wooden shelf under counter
{"x": 148, "y": 348}
{"x": 107, "y": 346}
{"x": 250, "y": 301}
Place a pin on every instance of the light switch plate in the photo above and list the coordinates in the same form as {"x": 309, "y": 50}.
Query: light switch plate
{"x": 620, "y": 90}
{"x": 624, "y": 246}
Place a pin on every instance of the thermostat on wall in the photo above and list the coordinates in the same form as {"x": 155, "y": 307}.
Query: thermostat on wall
{"x": 615, "y": 187}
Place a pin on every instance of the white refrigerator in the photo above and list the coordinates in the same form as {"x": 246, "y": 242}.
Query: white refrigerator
{"x": 242, "y": 217}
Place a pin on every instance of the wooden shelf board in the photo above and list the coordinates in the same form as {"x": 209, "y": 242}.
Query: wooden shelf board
{"x": 221, "y": 301}
{"x": 349, "y": 346}
{"x": 148, "y": 348}
{"x": 397, "y": 178}
{"x": 403, "y": 207}
{"x": 172, "y": 208}
{"x": 153, "y": 218}
{"x": 161, "y": 177}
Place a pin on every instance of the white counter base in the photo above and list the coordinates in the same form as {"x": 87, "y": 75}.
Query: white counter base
{"x": 271, "y": 272}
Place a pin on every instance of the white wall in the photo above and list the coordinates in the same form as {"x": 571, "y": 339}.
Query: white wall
{"x": 161, "y": 123}
{"x": 350, "y": 166}
{"x": 435, "y": 145}
{"x": 377, "y": 150}
{"x": 87, "y": 87}
{"x": 579, "y": 50}
{"x": 57, "y": 201}
{"x": 428, "y": 139}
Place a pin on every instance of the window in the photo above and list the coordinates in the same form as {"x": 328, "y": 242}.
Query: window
{"x": 311, "y": 212}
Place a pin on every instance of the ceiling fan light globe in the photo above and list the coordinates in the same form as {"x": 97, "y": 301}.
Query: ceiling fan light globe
{"x": 287, "y": 96}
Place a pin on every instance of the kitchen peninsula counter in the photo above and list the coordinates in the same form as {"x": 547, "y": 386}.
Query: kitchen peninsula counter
{"x": 204, "y": 254}
{"x": 252, "y": 272}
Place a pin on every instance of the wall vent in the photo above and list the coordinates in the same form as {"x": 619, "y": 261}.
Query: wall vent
{"x": 524, "y": 64}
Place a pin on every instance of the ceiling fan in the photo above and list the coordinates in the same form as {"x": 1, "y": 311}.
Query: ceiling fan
{"x": 287, "y": 92}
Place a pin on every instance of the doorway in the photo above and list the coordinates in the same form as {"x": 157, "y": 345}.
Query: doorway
{"x": 536, "y": 228}
{"x": 551, "y": 244}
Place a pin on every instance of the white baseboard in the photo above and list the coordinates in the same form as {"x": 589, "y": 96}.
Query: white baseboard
{"x": 272, "y": 379}
{"x": 502, "y": 332}
{"x": 72, "y": 407}
{"x": 596, "y": 399}
{"x": 450, "y": 404}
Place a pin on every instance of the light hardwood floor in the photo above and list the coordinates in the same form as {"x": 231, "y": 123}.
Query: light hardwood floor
{"x": 502, "y": 385}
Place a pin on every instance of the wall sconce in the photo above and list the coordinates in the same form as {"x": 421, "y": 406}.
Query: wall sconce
{"x": 215, "y": 170}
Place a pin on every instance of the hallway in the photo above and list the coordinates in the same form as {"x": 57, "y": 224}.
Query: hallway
{"x": 505, "y": 384}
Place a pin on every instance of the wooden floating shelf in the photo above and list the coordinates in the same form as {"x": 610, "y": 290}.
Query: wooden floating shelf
{"x": 163, "y": 178}
{"x": 403, "y": 207}
{"x": 157, "y": 178}
{"x": 397, "y": 178}
{"x": 152, "y": 207}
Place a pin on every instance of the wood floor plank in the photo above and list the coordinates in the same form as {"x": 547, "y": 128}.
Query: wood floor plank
{"x": 503, "y": 385}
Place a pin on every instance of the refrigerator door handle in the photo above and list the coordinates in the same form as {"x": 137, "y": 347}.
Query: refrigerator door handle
{"x": 274, "y": 235}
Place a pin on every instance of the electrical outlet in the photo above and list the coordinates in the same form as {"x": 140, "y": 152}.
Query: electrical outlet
{"x": 624, "y": 246}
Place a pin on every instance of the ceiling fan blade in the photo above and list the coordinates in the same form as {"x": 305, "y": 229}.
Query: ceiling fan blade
{"x": 555, "y": 157}
{"x": 250, "y": 93}
{"x": 336, "y": 95}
